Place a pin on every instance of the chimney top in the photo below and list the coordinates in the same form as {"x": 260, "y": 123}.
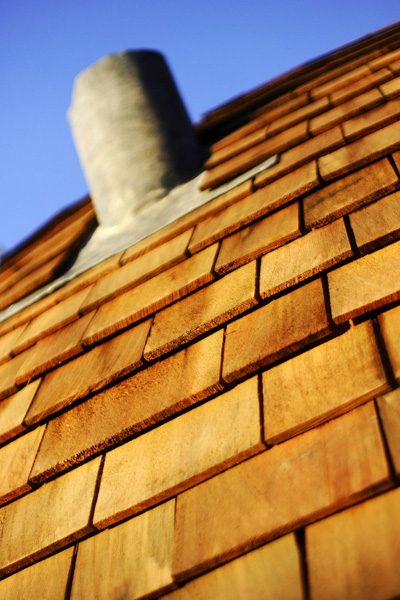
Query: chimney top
{"x": 132, "y": 132}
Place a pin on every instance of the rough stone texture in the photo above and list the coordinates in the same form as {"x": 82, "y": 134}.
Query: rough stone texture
{"x": 89, "y": 372}
{"x": 133, "y": 273}
{"x": 279, "y": 328}
{"x": 259, "y": 238}
{"x": 114, "y": 565}
{"x": 38, "y": 581}
{"x": 152, "y": 295}
{"x": 322, "y": 383}
{"x": 351, "y": 192}
{"x": 272, "y": 572}
{"x": 202, "y": 311}
{"x": 145, "y": 399}
{"x": 354, "y": 554}
{"x": 179, "y": 454}
{"x": 16, "y": 460}
{"x": 47, "y": 519}
{"x": 304, "y": 258}
{"x": 279, "y": 490}
{"x": 255, "y": 206}
{"x": 359, "y": 153}
{"x": 124, "y": 177}
{"x": 390, "y": 326}
{"x": 378, "y": 223}
{"x": 365, "y": 284}
{"x": 13, "y": 411}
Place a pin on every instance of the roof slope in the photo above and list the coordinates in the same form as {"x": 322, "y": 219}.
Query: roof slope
{"x": 214, "y": 412}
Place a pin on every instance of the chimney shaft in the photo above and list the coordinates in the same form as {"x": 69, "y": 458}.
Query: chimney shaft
{"x": 132, "y": 133}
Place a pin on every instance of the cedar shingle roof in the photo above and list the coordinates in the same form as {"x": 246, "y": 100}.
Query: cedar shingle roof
{"x": 214, "y": 411}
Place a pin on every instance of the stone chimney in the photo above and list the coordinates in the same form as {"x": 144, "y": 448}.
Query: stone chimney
{"x": 132, "y": 132}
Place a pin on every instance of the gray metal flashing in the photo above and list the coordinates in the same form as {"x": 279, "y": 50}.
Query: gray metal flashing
{"x": 108, "y": 241}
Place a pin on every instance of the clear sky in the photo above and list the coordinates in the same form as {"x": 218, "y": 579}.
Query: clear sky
{"x": 216, "y": 49}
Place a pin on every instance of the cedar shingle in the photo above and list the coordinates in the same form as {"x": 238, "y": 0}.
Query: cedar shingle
{"x": 202, "y": 311}
{"x": 378, "y": 223}
{"x": 253, "y": 156}
{"x": 345, "y": 111}
{"x": 236, "y": 147}
{"x": 291, "y": 484}
{"x": 371, "y": 120}
{"x": 272, "y": 572}
{"x": 8, "y": 373}
{"x": 322, "y": 383}
{"x": 48, "y": 518}
{"x": 8, "y": 341}
{"x": 365, "y": 284}
{"x": 259, "y": 238}
{"x": 13, "y": 411}
{"x": 114, "y": 565}
{"x": 89, "y": 372}
{"x": 389, "y": 410}
{"x": 391, "y": 89}
{"x": 179, "y": 454}
{"x": 277, "y": 329}
{"x": 339, "y": 82}
{"x": 152, "y": 295}
{"x": 302, "y": 154}
{"x": 255, "y": 206}
{"x": 362, "y": 85}
{"x": 52, "y": 319}
{"x": 305, "y": 112}
{"x": 349, "y": 193}
{"x": 145, "y": 399}
{"x": 354, "y": 554}
{"x": 390, "y": 326}
{"x": 29, "y": 583}
{"x": 383, "y": 61}
{"x": 303, "y": 258}
{"x": 16, "y": 460}
{"x": 53, "y": 350}
{"x": 133, "y": 273}
{"x": 359, "y": 153}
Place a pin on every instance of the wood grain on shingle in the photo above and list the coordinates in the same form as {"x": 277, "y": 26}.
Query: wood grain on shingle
{"x": 52, "y": 319}
{"x": 391, "y": 89}
{"x": 13, "y": 411}
{"x": 253, "y": 207}
{"x": 349, "y": 193}
{"x": 253, "y": 156}
{"x": 8, "y": 341}
{"x": 48, "y": 518}
{"x": 372, "y": 120}
{"x": 296, "y": 116}
{"x": 8, "y": 373}
{"x": 89, "y": 372}
{"x": 53, "y": 350}
{"x": 322, "y": 383}
{"x": 340, "y": 82}
{"x": 389, "y": 410}
{"x": 258, "y": 238}
{"x": 152, "y": 295}
{"x": 345, "y": 111}
{"x": 291, "y": 484}
{"x": 38, "y": 582}
{"x": 272, "y": 572}
{"x": 354, "y": 554}
{"x": 304, "y": 258}
{"x": 248, "y": 141}
{"x": 362, "y": 85}
{"x": 131, "y": 561}
{"x": 135, "y": 272}
{"x": 361, "y": 152}
{"x": 16, "y": 460}
{"x": 147, "y": 398}
{"x": 383, "y": 61}
{"x": 378, "y": 223}
{"x": 275, "y": 330}
{"x": 365, "y": 284}
{"x": 179, "y": 454}
{"x": 201, "y": 312}
{"x": 389, "y": 322}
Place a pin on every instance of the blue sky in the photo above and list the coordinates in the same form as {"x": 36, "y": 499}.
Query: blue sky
{"x": 216, "y": 49}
